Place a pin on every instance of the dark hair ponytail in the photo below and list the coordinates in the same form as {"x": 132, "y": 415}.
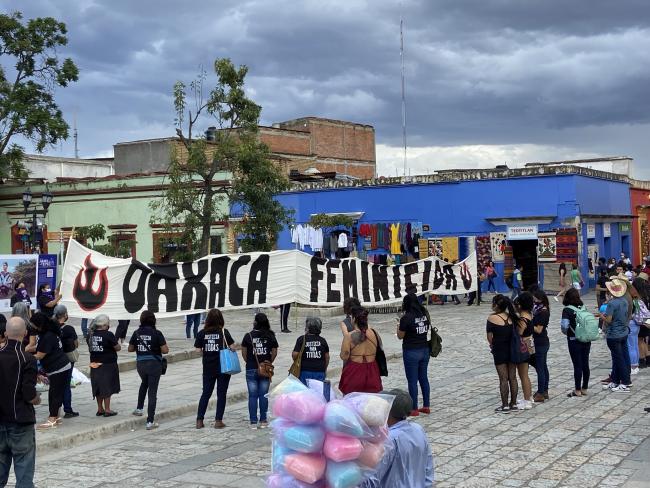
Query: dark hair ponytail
{"x": 261, "y": 323}
{"x": 360, "y": 316}
{"x": 503, "y": 304}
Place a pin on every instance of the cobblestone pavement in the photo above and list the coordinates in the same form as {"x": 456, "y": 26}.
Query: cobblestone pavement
{"x": 599, "y": 440}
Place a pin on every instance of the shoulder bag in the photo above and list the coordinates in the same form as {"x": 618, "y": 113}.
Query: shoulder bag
{"x": 380, "y": 356}
{"x": 228, "y": 359}
{"x": 518, "y": 347}
{"x": 295, "y": 368}
{"x": 162, "y": 360}
{"x": 265, "y": 368}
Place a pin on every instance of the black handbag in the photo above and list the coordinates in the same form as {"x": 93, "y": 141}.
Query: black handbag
{"x": 162, "y": 360}
{"x": 380, "y": 357}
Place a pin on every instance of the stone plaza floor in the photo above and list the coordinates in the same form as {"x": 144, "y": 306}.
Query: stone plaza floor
{"x": 602, "y": 439}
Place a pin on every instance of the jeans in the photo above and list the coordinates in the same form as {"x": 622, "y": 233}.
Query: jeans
{"x": 67, "y": 391}
{"x": 620, "y": 360}
{"x": 579, "y": 352}
{"x": 312, "y": 375}
{"x": 258, "y": 387}
{"x": 541, "y": 351}
{"x": 17, "y": 444}
{"x": 150, "y": 371}
{"x": 633, "y": 343}
{"x": 491, "y": 285}
{"x": 416, "y": 362}
{"x": 515, "y": 293}
{"x": 192, "y": 319}
{"x": 56, "y": 392}
{"x": 209, "y": 380}
{"x": 84, "y": 327}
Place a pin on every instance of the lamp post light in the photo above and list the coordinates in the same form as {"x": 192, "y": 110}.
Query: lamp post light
{"x": 46, "y": 200}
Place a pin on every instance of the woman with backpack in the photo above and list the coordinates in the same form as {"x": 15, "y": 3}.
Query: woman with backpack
{"x": 499, "y": 330}
{"x": 413, "y": 331}
{"x": 579, "y": 351}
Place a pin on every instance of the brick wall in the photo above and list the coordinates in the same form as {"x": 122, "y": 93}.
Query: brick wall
{"x": 285, "y": 141}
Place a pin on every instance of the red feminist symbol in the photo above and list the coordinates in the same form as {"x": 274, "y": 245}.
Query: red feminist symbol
{"x": 87, "y": 298}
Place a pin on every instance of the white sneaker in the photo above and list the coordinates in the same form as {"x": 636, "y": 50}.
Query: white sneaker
{"x": 152, "y": 425}
{"x": 254, "y": 426}
{"x": 556, "y": 299}
{"x": 137, "y": 412}
{"x": 634, "y": 371}
{"x": 621, "y": 389}
{"x": 609, "y": 386}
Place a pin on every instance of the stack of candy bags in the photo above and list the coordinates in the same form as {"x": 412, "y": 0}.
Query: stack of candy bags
{"x": 320, "y": 444}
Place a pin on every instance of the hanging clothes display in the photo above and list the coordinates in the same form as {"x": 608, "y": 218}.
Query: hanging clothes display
{"x": 395, "y": 247}
{"x": 306, "y": 235}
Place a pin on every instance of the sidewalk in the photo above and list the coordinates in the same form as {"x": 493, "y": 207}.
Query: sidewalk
{"x": 180, "y": 388}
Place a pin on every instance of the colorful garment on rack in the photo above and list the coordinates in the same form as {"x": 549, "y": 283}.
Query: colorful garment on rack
{"x": 395, "y": 246}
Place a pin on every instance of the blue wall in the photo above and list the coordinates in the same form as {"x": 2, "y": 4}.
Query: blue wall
{"x": 461, "y": 208}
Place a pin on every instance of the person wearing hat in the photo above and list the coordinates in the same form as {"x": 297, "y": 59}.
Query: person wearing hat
{"x": 407, "y": 461}
{"x": 615, "y": 324}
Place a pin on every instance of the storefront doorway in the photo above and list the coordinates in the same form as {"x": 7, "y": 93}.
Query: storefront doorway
{"x": 524, "y": 254}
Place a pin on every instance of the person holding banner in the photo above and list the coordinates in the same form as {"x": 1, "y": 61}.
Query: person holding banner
{"x": 47, "y": 299}
{"x": 358, "y": 352}
{"x": 149, "y": 344}
{"x": 209, "y": 342}
{"x": 259, "y": 348}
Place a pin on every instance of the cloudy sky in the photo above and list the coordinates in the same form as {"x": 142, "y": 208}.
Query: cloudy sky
{"x": 487, "y": 81}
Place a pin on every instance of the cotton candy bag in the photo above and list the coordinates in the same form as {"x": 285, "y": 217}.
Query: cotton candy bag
{"x": 301, "y": 407}
{"x": 342, "y": 419}
{"x": 373, "y": 408}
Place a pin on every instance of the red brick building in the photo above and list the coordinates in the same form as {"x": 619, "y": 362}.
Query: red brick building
{"x": 328, "y": 145}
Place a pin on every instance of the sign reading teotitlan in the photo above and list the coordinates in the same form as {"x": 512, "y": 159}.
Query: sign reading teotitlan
{"x": 122, "y": 288}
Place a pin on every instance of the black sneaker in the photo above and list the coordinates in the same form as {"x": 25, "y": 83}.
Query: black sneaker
{"x": 69, "y": 415}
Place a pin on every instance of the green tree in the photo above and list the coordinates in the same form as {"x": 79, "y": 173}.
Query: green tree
{"x": 194, "y": 196}
{"x": 94, "y": 234}
{"x": 30, "y": 70}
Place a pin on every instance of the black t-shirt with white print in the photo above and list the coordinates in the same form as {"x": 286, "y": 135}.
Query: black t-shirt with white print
{"x": 211, "y": 342}
{"x": 263, "y": 344}
{"x": 101, "y": 345}
{"x": 313, "y": 357}
{"x": 416, "y": 328}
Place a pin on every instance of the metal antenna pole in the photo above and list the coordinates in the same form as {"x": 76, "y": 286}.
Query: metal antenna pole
{"x": 401, "y": 54}
{"x": 76, "y": 138}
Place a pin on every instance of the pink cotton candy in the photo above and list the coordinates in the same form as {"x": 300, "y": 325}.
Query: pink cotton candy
{"x": 371, "y": 454}
{"x": 301, "y": 407}
{"x": 305, "y": 467}
{"x": 338, "y": 448}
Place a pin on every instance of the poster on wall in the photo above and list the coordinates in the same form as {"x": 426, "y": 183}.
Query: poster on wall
{"x": 423, "y": 248}
{"x": 483, "y": 252}
{"x": 15, "y": 270}
{"x": 546, "y": 247}
{"x": 123, "y": 288}
{"x": 591, "y": 231}
{"x": 592, "y": 254}
{"x": 498, "y": 245}
{"x": 435, "y": 248}
{"x": 450, "y": 249}
{"x": 607, "y": 230}
{"x": 47, "y": 270}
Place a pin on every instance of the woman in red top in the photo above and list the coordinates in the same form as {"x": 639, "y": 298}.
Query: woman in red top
{"x": 360, "y": 373}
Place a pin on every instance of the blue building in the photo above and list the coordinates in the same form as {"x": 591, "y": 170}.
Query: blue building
{"x": 549, "y": 214}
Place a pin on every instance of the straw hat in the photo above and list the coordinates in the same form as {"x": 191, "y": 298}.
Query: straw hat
{"x": 617, "y": 287}
{"x": 643, "y": 276}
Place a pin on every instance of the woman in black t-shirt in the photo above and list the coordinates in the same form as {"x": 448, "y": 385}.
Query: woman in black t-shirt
{"x": 258, "y": 346}
{"x": 541, "y": 315}
{"x": 316, "y": 352}
{"x": 54, "y": 362}
{"x": 70, "y": 343}
{"x": 209, "y": 342}
{"x": 104, "y": 373}
{"x": 524, "y": 304}
{"x": 149, "y": 344}
{"x": 413, "y": 330}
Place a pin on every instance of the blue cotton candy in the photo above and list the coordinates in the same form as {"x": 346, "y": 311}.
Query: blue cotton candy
{"x": 343, "y": 475}
{"x": 304, "y": 438}
{"x": 277, "y": 458}
{"x": 342, "y": 420}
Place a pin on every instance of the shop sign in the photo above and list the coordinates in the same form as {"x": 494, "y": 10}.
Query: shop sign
{"x": 591, "y": 231}
{"x": 624, "y": 227}
{"x": 522, "y": 232}
{"x": 607, "y": 230}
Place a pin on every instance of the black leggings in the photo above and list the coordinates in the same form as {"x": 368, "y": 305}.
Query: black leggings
{"x": 508, "y": 383}
{"x": 150, "y": 371}
{"x": 55, "y": 392}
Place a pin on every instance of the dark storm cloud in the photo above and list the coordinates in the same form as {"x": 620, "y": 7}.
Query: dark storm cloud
{"x": 571, "y": 74}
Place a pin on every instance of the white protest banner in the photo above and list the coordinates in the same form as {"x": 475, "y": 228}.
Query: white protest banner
{"x": 122, "y": 288}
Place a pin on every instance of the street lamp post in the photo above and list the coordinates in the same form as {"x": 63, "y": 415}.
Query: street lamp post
{"x": 46, "y": 200}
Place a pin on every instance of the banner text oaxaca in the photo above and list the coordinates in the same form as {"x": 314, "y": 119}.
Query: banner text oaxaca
{"x": 122, "y": 288}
